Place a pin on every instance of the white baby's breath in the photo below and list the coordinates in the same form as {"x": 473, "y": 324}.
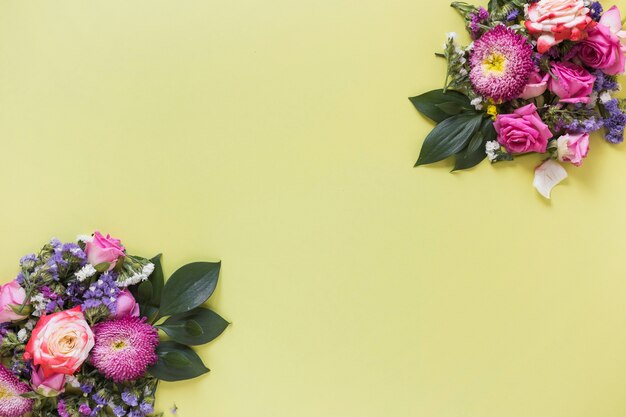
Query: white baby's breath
{"x": 85, "y": 272}
{"x": 22, "y": 335}
{"x": 605, "y": 97}
{"x": 84, "y": 238}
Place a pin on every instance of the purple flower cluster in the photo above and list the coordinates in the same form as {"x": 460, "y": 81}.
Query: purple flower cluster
{"x": 102, "y": 292}
{"x": 615, "y": 122}
{"x": 595, "y": 10}
{"x": 584, "y": 126}
{"x": 475, "y": 21}
{"x": 604, "y": 82}
{"x": 513, "y": 15}
{"x": 132, "y": 406}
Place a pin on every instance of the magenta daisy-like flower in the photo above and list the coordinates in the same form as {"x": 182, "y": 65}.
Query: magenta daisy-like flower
{"x": 501, "y": 62}
{"x": 11, "y": 403}
{"x": 124, "y": 348}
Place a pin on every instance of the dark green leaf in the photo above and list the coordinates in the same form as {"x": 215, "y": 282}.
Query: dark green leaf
{"x": 476, "y": 141}
{"x": 195, "y": 327}
{"x": 493, "y": 5}
{"x": 189, "y": 287}
{"x": 176, "y": 359}
{"x": 450, "y": 108}
{"x": 489, "y": 132}
{"x": 144, "y": 292}
{"x": 475, "y": 152}
{"x": 177, "y": 362}
{"x": 429, "y": 104}
{"x": 158, "y": 281}
{"x": 449, "y": 137}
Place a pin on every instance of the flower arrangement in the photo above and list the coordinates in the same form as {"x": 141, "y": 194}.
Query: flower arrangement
{"x": 538, "y": 77}
{"x": 79, "y": 330}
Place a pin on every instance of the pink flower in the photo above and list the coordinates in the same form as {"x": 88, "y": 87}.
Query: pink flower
{"x": 126, "y": 305}
{"x": 573, "y": 148}
{"x": 522, "y": 131}
{"x": 60, "y": 342}
{"x": 536, "y": 85}
{"x": 11, "y": 295}
{"x": 48, "y": 387}
{"x": 603, "y": 49}
{"x": 553, "y": 21}
{"x": 571, "y": 82}
{"x": 104, "y": 249}
{"x": 125, "y": 348}
{"x": 12, "y": 404}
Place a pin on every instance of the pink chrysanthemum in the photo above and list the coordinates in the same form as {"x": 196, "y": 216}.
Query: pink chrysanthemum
{"x": 124, "y": 348}
{"x": 501, "y": 63}
{"x": 11, "y": 403}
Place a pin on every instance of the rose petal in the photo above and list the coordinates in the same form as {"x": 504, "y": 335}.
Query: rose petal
{"x": 547, "y": 176}
{"x": 613, "y": 19}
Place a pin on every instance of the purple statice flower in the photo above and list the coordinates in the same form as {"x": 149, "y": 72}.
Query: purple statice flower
{"x": 146, "y": 408}
{"x": 129, "y": 398}
{"x": 102, "y": 292}
{"x": 604, "y": 82}
{"x": 62, "y": 409}
{"x": 84, "y": 409}
{"x": 595, "y": 10}
{"x": 475, "y": 21}
{"x": 500, "y": 62}
{"x": 615, "y": 122}
{"x": 27, "y": 261}
{"x": 513, "y": 15}
{"x": 86, "y": 388}
{"x": 581, "y": 125}
{"x": 119, "y": 411}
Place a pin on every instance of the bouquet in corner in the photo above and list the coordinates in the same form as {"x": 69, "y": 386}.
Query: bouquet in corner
{"x": 538, "y": 77}
{"x": 79, "y": 330}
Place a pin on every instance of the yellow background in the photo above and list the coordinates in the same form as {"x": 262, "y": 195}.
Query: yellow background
{"x": 276, "y": 136}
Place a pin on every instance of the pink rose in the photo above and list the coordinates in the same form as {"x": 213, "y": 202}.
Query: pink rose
{"x": 571, "y": 82}
{"x": 104, "y": 249}
{"x": 523, "y": 131}
{"x": 60, "y": 342}
{"x": 553, "y": 21}
{"x": 48, "y": 387}
{"x": 11, "y": 295}
{"x": 573, "y": 148}
{"x": 126, "y": 305}
{"x": 536, "y": 86}
{"x": 603, "y": 49}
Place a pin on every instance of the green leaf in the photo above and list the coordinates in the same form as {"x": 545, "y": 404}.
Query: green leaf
{"x": 449, "y": 137}
{"x": 438, "y": 105}
{"x": 493, "y": 5}
{"x": 158, "y": 281}
{"x": 144, "y": 292}
{"x": 102, "y": 267}
{"x": 176, "y": 359}
{"x": 189, "y": 287}
{"x": 474, "y": 155}
{"x": 177, "y": 362}
{"x": 196, "y": 327}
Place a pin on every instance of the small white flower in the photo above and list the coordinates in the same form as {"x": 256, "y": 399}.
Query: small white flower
{"x": 30, "y": 324}
{"x": 462, "y": 60}
{"x": 85, "y": 272}
{"x": 593, "y": 100}
{"x": 148, "y": 269}
{"x": 491, "y": 148}
{"x": 22, "y": 335}
{"x": 605, "y": 97}
{"x": 463, "y": 72}
{"x": 477, "y": 103}
{"x": 92, "y": 288}
{"x": 73, "y": 381}
{"x": 458, "y": 50}
{"x": 84, "y": 238}
{"x": 451, "y": 35}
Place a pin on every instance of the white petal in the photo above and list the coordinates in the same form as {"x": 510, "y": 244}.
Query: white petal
{"x": 547, "y": 176}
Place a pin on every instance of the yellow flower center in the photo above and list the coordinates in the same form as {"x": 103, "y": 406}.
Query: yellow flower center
{"x": 4, "y": 394}
{"x": 118, "y": 345}
{"x": 495, "y": 62}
